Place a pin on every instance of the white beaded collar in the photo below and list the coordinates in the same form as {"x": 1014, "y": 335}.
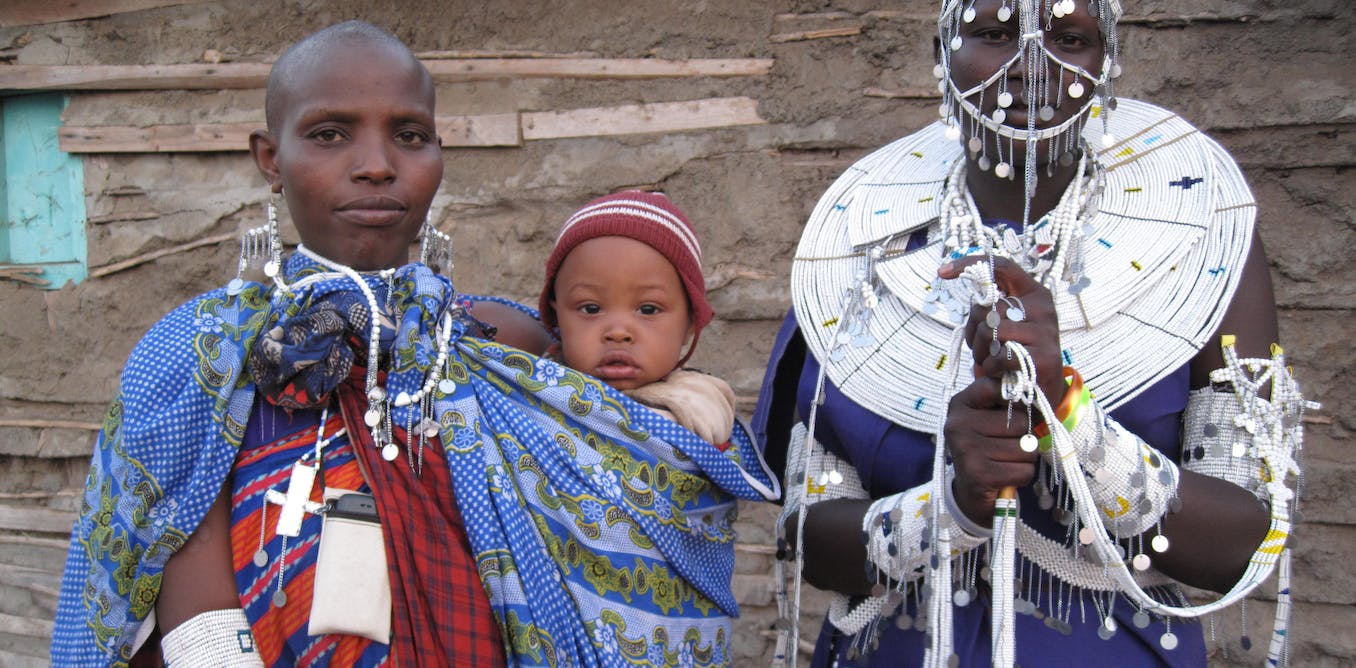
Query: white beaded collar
{"x": 1172, "y": 229}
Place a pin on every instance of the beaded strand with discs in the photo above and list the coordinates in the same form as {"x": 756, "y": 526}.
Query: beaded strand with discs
{"x": 379, "y": 413}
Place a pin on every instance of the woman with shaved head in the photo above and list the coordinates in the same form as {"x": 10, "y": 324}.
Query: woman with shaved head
{"x": 339, "y": 467}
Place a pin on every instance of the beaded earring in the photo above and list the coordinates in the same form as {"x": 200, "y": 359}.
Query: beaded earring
{"x": 260, "y": 247}
{"x": 435, "y": 249}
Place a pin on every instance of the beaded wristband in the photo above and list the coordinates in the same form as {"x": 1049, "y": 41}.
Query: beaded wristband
{"x": 1070, "y": 409}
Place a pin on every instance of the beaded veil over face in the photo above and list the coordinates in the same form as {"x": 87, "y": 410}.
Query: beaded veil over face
{"x": 980, "y": 111}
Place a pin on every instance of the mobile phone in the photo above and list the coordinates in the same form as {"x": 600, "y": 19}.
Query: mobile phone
{"x": 355, "y": 505}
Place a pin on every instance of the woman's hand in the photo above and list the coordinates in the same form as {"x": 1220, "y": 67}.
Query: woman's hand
{"x": 984, "y": 450}
{"x": 1037, "y": 330}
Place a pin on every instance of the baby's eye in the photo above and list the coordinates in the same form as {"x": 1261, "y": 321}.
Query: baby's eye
{"x": 591, "y": 309}
{"x": 649, "y": 309}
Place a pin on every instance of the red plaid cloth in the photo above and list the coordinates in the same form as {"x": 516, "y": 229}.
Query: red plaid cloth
{"x": 440, "y": 612}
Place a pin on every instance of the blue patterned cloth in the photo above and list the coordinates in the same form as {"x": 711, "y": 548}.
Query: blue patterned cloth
{"x": 602, "y": 531}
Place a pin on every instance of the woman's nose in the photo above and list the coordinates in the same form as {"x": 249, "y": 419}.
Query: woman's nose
{"x": 374, "y": 163}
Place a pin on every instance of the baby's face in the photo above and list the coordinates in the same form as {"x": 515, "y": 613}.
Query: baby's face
{"x": 622, "y": 311}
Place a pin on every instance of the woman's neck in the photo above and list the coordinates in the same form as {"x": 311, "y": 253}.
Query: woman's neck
{"x": 1000, "y": 198}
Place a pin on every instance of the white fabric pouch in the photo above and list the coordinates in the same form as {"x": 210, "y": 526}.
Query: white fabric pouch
{"x": 352, "y": 592}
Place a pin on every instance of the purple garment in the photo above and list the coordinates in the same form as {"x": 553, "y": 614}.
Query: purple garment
{"x": 890, "y": 459}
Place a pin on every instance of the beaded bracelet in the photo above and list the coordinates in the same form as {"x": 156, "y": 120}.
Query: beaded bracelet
{"x": 1070, "y": 409}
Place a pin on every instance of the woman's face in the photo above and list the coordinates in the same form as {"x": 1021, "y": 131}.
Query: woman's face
{"x": 356, "y": 154}
{"x": 987, "y": 44}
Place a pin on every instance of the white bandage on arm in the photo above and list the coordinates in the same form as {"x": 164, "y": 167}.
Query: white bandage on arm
{"x": 215, "y": 638}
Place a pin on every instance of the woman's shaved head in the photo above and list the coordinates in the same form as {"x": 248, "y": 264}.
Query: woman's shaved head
{"x": 315, "y": 50}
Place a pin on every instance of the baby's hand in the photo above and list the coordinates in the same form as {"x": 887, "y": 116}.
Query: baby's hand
{"x": 702, "y": 403}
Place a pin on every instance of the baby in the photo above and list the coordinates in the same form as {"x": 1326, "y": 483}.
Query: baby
{"x": 624, "y": 288}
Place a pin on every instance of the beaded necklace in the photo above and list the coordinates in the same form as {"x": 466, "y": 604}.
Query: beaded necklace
{"x": 379, "y": 413}
{"x": 1048, "y": 249}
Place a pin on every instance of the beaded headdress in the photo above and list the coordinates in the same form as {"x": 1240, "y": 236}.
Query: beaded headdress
{"x": 1033, "y": 19}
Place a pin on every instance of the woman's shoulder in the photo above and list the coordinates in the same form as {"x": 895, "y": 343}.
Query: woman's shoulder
{"x": 205, "y": 333}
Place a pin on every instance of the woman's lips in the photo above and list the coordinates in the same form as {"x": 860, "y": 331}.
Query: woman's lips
{"x": 373, "y": 211}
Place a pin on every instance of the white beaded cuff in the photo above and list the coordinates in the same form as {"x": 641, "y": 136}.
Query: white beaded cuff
{"x": 1131, "y": 482}
{"x": 897, "y": 531}
{"x": 215, "y": 638}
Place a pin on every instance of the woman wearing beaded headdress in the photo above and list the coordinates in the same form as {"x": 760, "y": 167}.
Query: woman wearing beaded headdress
{"x": 1035, "y": 344}
{"x": 338, "y": 468}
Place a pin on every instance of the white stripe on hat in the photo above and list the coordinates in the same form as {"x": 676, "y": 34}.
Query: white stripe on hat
{"x": 638, "y": 209}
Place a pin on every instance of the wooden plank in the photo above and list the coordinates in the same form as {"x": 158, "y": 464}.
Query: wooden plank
{"x": 35, "y": 518}
{"x": 642, "y": 118}
{"x": 195, "y": 76}
{"x": 483, "y": 130}
{"x": 902, "y": 93}
{"x": 499, "y": 53}
{"x": 803, "y": 35}
{"x": 24, "y": 626}
{"x": 451, "y": 71}
{"x": 209, "y": 76}
{"x": 156, "y": 138}
{"x": 127, "y": 217}
{"x": 456, "y": 131}
{"x": 105, "y": 270}
{"x": 33, "y": 12}
{"x": 37, "y": 423}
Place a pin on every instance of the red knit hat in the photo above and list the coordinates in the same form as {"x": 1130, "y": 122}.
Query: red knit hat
{"x": 647, "y": 217}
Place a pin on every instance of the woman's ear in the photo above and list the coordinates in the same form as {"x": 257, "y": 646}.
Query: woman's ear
{"x": 264, "y": 150}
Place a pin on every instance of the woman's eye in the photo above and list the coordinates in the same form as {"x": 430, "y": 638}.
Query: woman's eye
{"x": 327, "y": 135}
{"x": 412, "y": 137}
{"x": 994, "y": 35}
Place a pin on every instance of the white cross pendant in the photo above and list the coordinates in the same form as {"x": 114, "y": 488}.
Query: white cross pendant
{"x": 297, "y": 502}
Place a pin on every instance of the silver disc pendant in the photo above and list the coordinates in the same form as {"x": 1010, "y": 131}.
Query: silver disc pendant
{"x": 1141, "y": 562}
{"x": 270, "y": 269}
{"x": 1016, "y": 314}
{"x": 1141, "y": 620}
{"x": 1168, "y": 641}
{"x": 1046, "y": 113}
{"x": 1159, "y": 543}
{"x": 372, "y": 417}
{"x": 279, "y": 598}
{"x": 1029, "y": 442}
{"x": 389, "y": 452}
{"x": 446, "y": 386}
{"x": 1005, "y": 99}
{"x": 992, "y": 319}
{"x": 961, "y": 598}
{"x": 235, "y": 287}
{"x": 260, "y": 558}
